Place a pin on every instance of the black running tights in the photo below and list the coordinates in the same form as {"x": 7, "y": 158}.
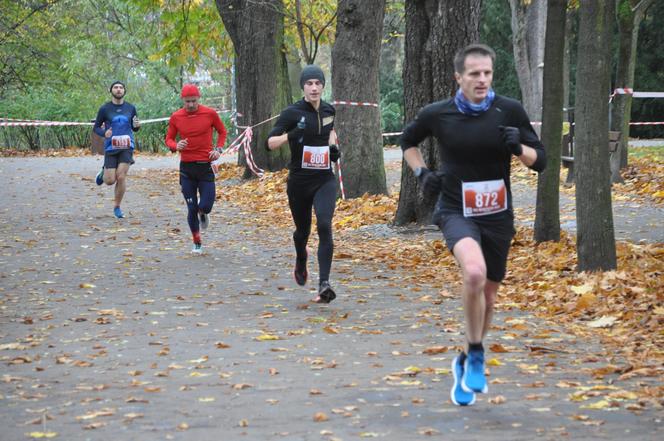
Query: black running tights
{"x": 322, "y": 197}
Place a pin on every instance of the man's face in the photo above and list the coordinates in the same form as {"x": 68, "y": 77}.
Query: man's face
{"x": 190, "y": 103}
{"x": 118, "y": 91}
{"x": 476, "y": 79}
{"x": 312, "y": 90}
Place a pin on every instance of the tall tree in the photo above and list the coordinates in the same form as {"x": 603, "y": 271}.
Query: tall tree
{"x": 629, "y": 15}
{"x": 547, "y": 212}
{"x": 528, "y": 33}
{"x": 261, "y": 75}
{"x": 355, "y": 60}
{"x": 595, "y": 240}
{"x": 435, "y": 31}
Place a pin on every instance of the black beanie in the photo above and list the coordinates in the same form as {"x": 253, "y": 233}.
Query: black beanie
{"x": 110, "y": 89}
{"x": 311, "y": 72}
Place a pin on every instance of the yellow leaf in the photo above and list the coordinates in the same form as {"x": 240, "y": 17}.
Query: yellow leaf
{"x": 413, "y": 369}
{"x": 494, "y": 362}
{"x": 583, "y": 289}
{"x": 86, "y": 285}
{"x": 527, "y": 367}
{"x": 599, "y": 405}
{"x": 42, "y": 434}
{"x": 206, "y": 399}
{"x": 267, "y": 337}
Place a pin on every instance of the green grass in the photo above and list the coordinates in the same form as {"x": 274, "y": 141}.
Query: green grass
{"x": 639, "y": 152}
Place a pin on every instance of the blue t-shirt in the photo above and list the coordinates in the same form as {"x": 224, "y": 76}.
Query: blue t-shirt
{"x": 117, "y": 117}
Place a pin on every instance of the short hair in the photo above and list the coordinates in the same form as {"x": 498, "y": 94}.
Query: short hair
{"x": 475, "y": 48}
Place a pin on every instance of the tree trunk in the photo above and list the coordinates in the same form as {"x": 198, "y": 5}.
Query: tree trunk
{"x": 355, "y": 59}
{"x": 435, "y": 31}
{"x": 547, "y": 212}
{"x": 528, "y": 32}
{"x": 595, "y": 241}
{"x": 629, "y": 15}
{"x": 569, "y": 20}
{"x": 261, "y": 73}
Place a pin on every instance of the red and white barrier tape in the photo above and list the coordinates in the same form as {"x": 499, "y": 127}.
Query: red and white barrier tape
{"x": 354, "y": 103}
{"x": 13, "y": 122}
{"x": 6, "y": 122}
{"x": 341, "y": 179}
{"x": 629, "y": 91}
{"x": 244, "y": 141}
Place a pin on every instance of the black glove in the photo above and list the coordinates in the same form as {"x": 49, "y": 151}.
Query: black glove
{"x": 297, "y": 134}
{"x": 430, "y": 182}
{"x": 512, "y": 139}
{"x": 335, "y": 154}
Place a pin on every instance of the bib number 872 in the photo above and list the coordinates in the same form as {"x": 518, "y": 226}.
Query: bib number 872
{"x": 486, "y": 199}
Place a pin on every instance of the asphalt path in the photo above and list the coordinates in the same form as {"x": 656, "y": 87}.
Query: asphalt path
{"x": 111, "y": 329}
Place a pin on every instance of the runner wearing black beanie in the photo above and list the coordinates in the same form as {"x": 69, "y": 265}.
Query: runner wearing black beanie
{"x": 308, "y": 127}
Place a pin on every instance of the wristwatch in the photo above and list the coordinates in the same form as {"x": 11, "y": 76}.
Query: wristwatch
{"x": 418, "y": 171}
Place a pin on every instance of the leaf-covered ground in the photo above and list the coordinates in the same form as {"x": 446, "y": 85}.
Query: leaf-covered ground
{"x": 111, "y": 329}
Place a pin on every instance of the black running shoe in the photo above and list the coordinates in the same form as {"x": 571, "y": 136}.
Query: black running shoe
{"x": 203, "y": 220}
{"x": 325, "y": 293}
{"x": 300, "y": 272}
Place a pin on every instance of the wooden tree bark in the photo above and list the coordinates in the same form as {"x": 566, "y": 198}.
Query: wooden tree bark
{"x": 355, "y": 61}
{"x": 547, "y": 212}
{"x": 528, "y": 32}
{"x": 261, "y": 74}
{"x": 595, "y": 241}
{"x": 629, "y": 15}
{"x": 435, "y": 31}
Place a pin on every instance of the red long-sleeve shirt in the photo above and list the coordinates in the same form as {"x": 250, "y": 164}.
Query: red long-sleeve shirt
{"x": 196, "y": 127}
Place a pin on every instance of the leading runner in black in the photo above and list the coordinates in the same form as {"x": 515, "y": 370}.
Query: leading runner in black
{"x": 308, "y": 127}
{"x": 477, "y": 133}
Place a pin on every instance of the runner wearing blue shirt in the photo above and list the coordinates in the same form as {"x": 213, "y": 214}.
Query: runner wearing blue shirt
{"x": 116, "y": 122}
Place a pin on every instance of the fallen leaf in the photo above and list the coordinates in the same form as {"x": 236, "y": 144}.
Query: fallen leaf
{"x": 498, "y": 399}
{"x": 603, "y": 322}
{"x": 319, "y": 417}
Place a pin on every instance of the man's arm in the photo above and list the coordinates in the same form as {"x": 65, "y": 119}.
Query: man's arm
{"x": 99, "y": 123}
{"x": 278, "y": 136}
{"x": 413, "y": 157}
{"x": 135, "y": 122}
{"x": 172, "y": 132}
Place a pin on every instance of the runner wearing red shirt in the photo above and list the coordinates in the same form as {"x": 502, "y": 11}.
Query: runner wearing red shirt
{"x": 194, "y": 123}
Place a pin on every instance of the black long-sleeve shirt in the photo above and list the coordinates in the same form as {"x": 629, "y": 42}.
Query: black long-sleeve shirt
{"x": 470, "y": 148}
{"x": 318, "y": 125}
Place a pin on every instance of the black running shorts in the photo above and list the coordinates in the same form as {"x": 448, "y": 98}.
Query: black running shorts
{"x": 196, "y": 171}
{"x": 494, "y": 235}
{"x": 114, "y": 157}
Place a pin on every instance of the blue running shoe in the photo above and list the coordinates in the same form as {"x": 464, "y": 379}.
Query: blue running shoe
{"x": 197, "y": 249}
{"x": 118, "y": 212}
{"x": 459, "y": 396}
{"x": 100, "y": 177}
{"x": 473, "y": 379}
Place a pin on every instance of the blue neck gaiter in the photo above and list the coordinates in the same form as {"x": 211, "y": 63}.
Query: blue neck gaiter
{"x": 468, "y": 108}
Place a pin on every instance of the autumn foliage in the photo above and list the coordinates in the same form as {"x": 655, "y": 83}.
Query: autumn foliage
{"x": 622, "y": 307}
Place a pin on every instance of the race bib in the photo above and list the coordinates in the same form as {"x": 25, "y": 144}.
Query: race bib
{"x": 484, "y": 197}
{"x": 316, "y": 158}
{"x": 121, "y": 142}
